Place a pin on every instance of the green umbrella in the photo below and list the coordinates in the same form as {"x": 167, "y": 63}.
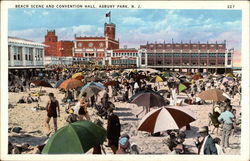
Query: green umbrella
{"x": 75, "y": 138}
{"x": 182, "y": 87}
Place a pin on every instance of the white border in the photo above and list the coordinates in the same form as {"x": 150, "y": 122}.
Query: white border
{"x": 244, "y": 6}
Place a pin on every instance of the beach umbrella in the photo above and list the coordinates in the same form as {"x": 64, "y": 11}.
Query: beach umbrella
{"x": 96, "y": 79}
{"x": 158, "y": 79}
{"x": 97, "y": 84}
{"x": 212, "y": 94}
{"x": 226, "y": 79}
{"x": 148, "y": 99}
{"x": 182, "y": 87}
{"x": 196, "y": 77}
{"x": 115, "y": 74}
{"x": 139, "y": 77}
{"x": 42, "y": 83}
{"x": 111, "y": 83}
{"x": 75, "y": 138}
{"x": 58, "y": 83}
{"x": 230, "y": 75}
{"x": 71, "y": 84}
{"x": 90, "y": 91}
{"x": 78, "y": 76}
{"x": 166, "y": 118}
{"x": 165, "y": 74}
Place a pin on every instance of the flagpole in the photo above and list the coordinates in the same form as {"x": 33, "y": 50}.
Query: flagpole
{"x": 109, "y": 16}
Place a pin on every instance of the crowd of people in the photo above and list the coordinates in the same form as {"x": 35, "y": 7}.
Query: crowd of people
{"x": 127, "y": 83}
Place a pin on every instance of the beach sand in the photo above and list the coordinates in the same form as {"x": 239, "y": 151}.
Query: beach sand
{"x": 34, "y": 133}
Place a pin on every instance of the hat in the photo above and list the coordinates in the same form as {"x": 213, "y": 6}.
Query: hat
{"x": 203, "y": 129}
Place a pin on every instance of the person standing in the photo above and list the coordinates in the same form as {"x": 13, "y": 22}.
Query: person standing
{"x": 113, "y": 130}
{"x": 52, "y": 108}
{"x": 81, "y": 108}
{"x": 205, "y": 143}
{"x": 227, "y": 119}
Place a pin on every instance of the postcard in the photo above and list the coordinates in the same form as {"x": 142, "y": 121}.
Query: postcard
{"x": 149, "y": 80}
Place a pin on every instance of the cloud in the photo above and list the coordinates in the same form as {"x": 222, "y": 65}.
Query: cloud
{"x": 233, "y": 23}
{"x": 29, "y": 12}
{"x": 45, "y": 13}
{"x": 132, "y": 21}
{"x": 63, "y": 33}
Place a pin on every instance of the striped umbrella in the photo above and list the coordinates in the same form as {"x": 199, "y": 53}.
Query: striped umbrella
{"x": 166, "y": 118}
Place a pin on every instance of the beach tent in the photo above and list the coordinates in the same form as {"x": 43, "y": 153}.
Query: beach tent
{"x": 166, "y": 118}
{"x": 76, "y": 138}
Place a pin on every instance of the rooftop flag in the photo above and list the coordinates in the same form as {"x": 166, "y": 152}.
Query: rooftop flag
{"x": 108, "y": 15}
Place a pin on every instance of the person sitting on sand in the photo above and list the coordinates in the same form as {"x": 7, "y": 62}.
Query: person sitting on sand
{"x": 52, "y": 108}
{"x": 124, "y": 145}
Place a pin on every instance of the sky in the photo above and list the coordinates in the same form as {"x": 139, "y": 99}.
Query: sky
{"x": 134, "y": 27}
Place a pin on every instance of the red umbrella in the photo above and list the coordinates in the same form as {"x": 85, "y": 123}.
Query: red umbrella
{"x": 166, "y": 118}
{"x": 197, "y": 77}
{"x": 71, "y": 84}
{"x": 42, "y": 83}
{"x": 111, "y": 83}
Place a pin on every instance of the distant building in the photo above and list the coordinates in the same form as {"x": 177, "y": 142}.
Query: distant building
{"x": 210, "y": 57}
{"x": 57, "y": 52}
{"x": 25, "y": 54}
{"x": 123, "y": 57}
{"x": 95, "y": 48}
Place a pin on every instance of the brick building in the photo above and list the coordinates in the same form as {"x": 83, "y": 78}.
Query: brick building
{"x": 201, "y": 56}
{"x": 57, "y": 52}
{"x": 95, "y": 48}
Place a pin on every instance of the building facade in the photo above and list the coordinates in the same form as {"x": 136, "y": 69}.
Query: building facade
{"x": 24, "y": 54}
{"x": 95, "y": 48}
{"x": 57, "y": 52}
{"x": 186, "y": 55}
{"x": 122, "y": 57}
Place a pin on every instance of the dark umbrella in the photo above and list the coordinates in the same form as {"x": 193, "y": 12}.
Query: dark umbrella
{"x": 42, "y": 83}
{"x": 90, "y": 91}
{"x": 139, "y": 77}
{"x": 148, "y": 99}
{"x": 75, "y": 138}
{"x": 115, "y": 74}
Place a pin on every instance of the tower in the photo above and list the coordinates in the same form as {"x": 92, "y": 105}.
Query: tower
{"x": 109, "y": 30}
{"x": 51, "y": 43}
{"x": 51, "y": 36}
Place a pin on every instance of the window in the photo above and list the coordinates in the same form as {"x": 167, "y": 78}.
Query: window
{"x": 9, "y": 48}
{"x": 19, "y": 52}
